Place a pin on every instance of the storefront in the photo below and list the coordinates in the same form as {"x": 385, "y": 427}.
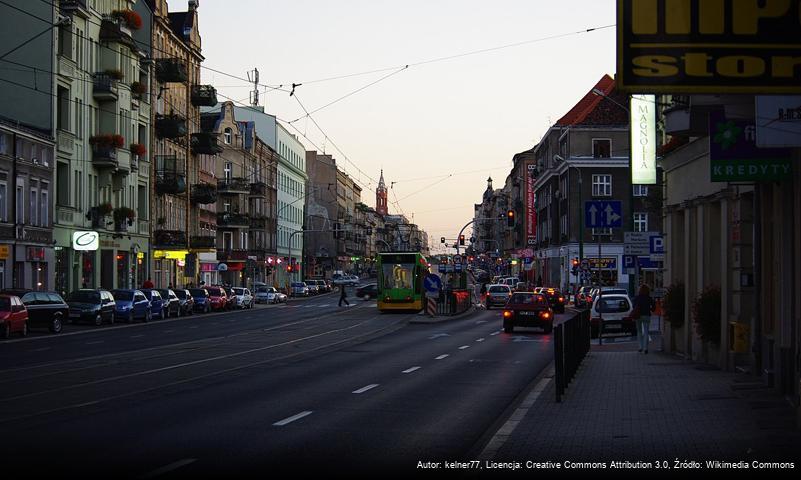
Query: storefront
{"x": 169, "y": 268}
{"x": 208, "y": 268}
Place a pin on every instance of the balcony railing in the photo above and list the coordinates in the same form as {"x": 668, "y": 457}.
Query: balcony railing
{"x": 206, "y": 143}
{"x": 203, "y": 193}
{"x": 171, "y": 182}
{"x": 233, "y": 254}
{"x": 171, "y": 70}
{"x": 105, "y": 88}
{"x": 258, "y": 222}
{"x": 114, "y": 30}
{"x": 203, "y": 241}
{"x": 232, "y": 220}
{"x": 74, "y": 6}
{"x": 170, "y": 126}
{"x": 204, "y": 96}
{"x": 258, "y": 189}
{"x": 169, "y": 238}
{"x": 233, "y": 186}
{"x": 104, "y": 156}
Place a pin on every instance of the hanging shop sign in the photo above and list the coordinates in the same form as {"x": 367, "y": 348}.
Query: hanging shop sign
{"x": 643, "y": 139}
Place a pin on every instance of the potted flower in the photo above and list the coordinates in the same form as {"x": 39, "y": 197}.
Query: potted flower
{"x": 138, "y": 89}
{"x": 124, "y": 214}
{"x": 131, "y": 19}
{"x": 107, "y": 140}
{"x": 138, "y": 149}
{"x": 104, "y": 209}
{"x": 114, "y": 73}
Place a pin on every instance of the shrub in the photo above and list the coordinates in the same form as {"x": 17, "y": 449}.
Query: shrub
{"x": 673, "y": 304}
{"x": 138, "y": 149}
{"x": 104, "y": 208}
{"x": 114, "y": 73}
{"x": 706, "y": 314}
{"x": 107, "y": 140}
{"x": 132, "y": 19}
{"x": 138, "y": 88}
{"x": 123, "y": 214}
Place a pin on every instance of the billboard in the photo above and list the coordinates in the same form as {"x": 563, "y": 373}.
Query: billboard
{"x": 708, "y": 46}
{"x": 643, "y": 139}
{"x": 531, "y": 206}
{"x": 778, "y": 121}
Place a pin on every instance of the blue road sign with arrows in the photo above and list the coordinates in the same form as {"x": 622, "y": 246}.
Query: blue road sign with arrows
{"x": 432, "y": 283}
{"x": 603, "y": 214}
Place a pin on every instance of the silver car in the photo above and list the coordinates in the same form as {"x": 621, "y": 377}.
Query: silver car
{"x": 498, "y": 294}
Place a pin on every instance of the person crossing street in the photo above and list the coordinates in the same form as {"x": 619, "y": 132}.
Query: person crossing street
{"x": 343, "y": 295}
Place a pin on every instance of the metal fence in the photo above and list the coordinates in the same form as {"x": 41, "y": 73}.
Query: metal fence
{"x": 454, "y": 302}
{"x": 571, "y": 344}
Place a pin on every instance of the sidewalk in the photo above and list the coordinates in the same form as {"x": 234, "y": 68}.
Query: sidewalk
{"x": 623, "y": 405}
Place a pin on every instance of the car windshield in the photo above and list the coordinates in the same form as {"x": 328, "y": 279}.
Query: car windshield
{"x": 122, "y": 294}
{"x": 614, "y": 291}
{"x": 498, "y": 289}
{"x": 214, "y": 292}
{"x": 528, "y": 299}
{"x": 298, "y": 284}
{"x": 5, "y": 304}
{"x": 614, "y": 304}
{"x": 262, "y": 290}
{"x": 180, "y": 294}
{"x": 85, "y": 297}
{"x": 198, "y": 292}
{"x": 239, "y": 291}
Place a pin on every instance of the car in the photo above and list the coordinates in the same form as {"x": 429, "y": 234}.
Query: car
{"x": 366, "y": 292}
{"x": 497, "y": 294}
{"x": 329, "y": 286}
{"x": 556, "y": 298}
{"x": 354, "y": 280}
{"x": 13, "y": 316}
{"x": 172, "y": 305}
{"x": 613, "y": 312}
{"x": 527, "y": 309}
{"x": 510, "y": 281}
{"x": 606, "y": 291}
{"x": 186, "y": 302}
{"x": 243, "y": 298}
{"x": 131, "y": 304}
{"x": 299, "y": 289}
{"x": 322, "y": 286}
{"x": 93, "y": 305}
{"x": 156, "y": 303}
{"x": 230, "y": 297}
{"x": 314, "y": 289}
{"x": 269, "y": 295}
{"x": 582, "y": 298}
{"x": 218, "y": 298}
{"x": 45, "y": 309}
{"x": 202, "y": 299}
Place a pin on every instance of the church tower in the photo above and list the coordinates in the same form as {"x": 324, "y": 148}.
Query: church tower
{"x": 381, "y": 196}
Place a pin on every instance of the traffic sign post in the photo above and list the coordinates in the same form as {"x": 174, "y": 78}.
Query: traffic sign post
{"x": 603, "y": 214}
{"x": 432, "y": 285}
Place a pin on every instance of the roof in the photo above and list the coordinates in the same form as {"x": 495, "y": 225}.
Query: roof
{"x": 594, "y": 109}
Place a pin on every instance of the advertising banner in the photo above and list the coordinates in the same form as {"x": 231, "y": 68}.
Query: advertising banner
{"x": 643, "y": 139}
{"x": 778, "y": 121}
{"x": 531, "y": 207}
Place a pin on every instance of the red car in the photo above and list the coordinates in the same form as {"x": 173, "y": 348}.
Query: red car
{"x": 13, "y": 316}
{"x": 218, "y": 298}
{"x": 527, "y": 309}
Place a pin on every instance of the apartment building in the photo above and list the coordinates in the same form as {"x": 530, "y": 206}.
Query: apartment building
{"x": 292, "y": 180}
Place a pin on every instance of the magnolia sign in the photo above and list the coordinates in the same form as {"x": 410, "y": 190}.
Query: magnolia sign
{"x": 643, "y": 139}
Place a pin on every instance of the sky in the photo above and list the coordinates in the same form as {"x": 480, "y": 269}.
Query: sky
{"x": 437, "y": 129}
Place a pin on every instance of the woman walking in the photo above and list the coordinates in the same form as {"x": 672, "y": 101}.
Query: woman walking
{"x": 643, "y": 306}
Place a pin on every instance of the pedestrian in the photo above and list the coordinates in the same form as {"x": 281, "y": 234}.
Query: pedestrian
{"x": 169, "y": 286}
{"x": 641, "y": 313}
{"x": 343, "y": 295}
{"x": 148, "y": 284}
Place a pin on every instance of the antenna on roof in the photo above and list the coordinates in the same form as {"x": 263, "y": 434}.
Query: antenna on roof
{"x": 253, "y": 76}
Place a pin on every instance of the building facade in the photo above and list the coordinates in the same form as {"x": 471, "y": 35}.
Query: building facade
{"x": 292, "y": 180}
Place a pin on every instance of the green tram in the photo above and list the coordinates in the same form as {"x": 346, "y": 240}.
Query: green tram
{"x": 400, "y": 281}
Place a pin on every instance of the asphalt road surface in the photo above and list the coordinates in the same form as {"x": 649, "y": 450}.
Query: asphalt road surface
{"x": 302, "y": 387}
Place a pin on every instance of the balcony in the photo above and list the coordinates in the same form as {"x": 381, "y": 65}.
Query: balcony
{"x": 232, "y": 220}
{"x": 171, "y": 70}
{"x": 205, "y": 143}
{"x": 170, "y": 182}
{"x": 258, "y": 189}
{"x": 105, "y": 87}
{"x": 167, "y": 239}
{"x": 233, "y": 186}
{"x": 258, "y": 222}
{"x": 204, "y": 96}
{"x": 203, "y": 193}
{"x": 170, "y": 126}
{"x": 203, "y": 241}
{"x": 115, "y": 30}
{"x": 104, "y": 156}
{"x": 232, "y": 255}
{"x": 74, "y": 7}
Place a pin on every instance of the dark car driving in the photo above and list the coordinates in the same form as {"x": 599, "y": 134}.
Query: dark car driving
{"x": 556, "y": 298}
{"x": 92, "y": 305}
{"x": 527, "y": 309}
{"x": 45, "y": 309}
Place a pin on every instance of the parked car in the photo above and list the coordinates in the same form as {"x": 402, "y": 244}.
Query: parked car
{"x": 324, "y": 285}
{"x": 93, "y": 305}
{"x": 230, "y": 296}
{"x": 13, "y": 316}
{"x": 582, "y": 298}
{"x": 243, "y": 298}
{"x": 366, "y": 292}
{"x": 218, "y": 298}
{"x": 172, "y": 305}
{"x": 269, "y": 295}
{"x": 45, "y": 309}
{"x": 613, "y": 312}
{"x": 313, "y": 288}
{"x": 130, "y": 305}
{"x": 186, "y": 302}
{"x": 498, "y": 294}
{"x": 556, "y": 298}
{"x": 156, "y": 302}
{"x": 299, "y": 289}
{"x": 202, "y": 300}
{"x": 526, "y": 309}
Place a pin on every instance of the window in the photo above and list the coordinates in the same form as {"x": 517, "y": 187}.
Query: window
{"x": 3, "y": 202}
{"x": 34, "y": 199}
{"x": 63, "y": 109}
{"x": 227, "y": 136}
{"x": 4, "y": 144}
{"x": 228, "y": 241}
{"x": 44, "y": 217}
{"x": 20, "y": 201}
{"x": 640, "y": 222}
{"x": 601, "y": 147}
{"x": 228, "y": 170}
{"x": 640, "y": 190}
{"x": 602, "y": 185}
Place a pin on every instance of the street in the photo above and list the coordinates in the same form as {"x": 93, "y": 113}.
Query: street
{"x": 273, "y": 387}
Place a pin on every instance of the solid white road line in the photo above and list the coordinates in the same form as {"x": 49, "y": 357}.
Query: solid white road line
{"x": 463, "y": 347}
{"x": 441, "y": 357}
{"x": 169, "y": 468}
{"x": 291, "y": 419}
{"x": 364, "y": 389}
{"x": 480, "y": 340}
{"x": 410, "y": 370}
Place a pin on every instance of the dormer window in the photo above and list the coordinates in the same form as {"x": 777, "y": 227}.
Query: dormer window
{"x": 227, "y": 135}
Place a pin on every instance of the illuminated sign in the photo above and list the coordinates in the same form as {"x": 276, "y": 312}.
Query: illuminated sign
{"x": 643, "y": 139}
{"x": 531, "y": 206}
{"x": 85, "y": 241}
{"x": 708, "y": 46}
{"x": 171, "y": 254}
{"x": 5, "y": 251}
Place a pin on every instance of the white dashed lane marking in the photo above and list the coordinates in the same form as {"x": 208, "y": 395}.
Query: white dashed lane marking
{"x": 463, "y": 347}
{"x": 137, "y": 336}
{"x": 95, "y": 343}
{"x": 410, "y": 370}
{"x": 364, "y": 389}
{"x": 291, "y": 419}
{"x": 441, "y": 357}
{"x": 480, "y": 340}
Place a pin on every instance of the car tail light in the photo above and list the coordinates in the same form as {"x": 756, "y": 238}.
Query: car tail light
{"x": 408, "y": 298}
{"x": 507, "y": 314}
{"x": 546, "y": 315}
{"x": 561, "y": 299}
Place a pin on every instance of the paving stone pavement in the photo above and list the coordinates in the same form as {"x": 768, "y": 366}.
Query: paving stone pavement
{"x": 624, "y": 405}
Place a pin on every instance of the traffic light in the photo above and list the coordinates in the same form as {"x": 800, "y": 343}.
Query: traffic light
{"x": 441, "y": 239}
{"x": 510, "y": 218}
{"x": 461, "y": 239}
{"x": 575, "y": 263}
{"x": 289, "y": 268}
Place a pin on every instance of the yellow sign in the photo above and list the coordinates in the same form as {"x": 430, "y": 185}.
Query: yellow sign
{"x": 5, "y": 250}
{"x": 171, "y": 254}
{"x": 708, "y": 46}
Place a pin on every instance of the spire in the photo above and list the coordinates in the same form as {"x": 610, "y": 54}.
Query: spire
{"x": 381, "y": 184}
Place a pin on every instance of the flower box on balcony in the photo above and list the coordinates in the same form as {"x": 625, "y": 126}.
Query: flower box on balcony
{"x": 204, "y": 96}
{"x": 170, "y": 70}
